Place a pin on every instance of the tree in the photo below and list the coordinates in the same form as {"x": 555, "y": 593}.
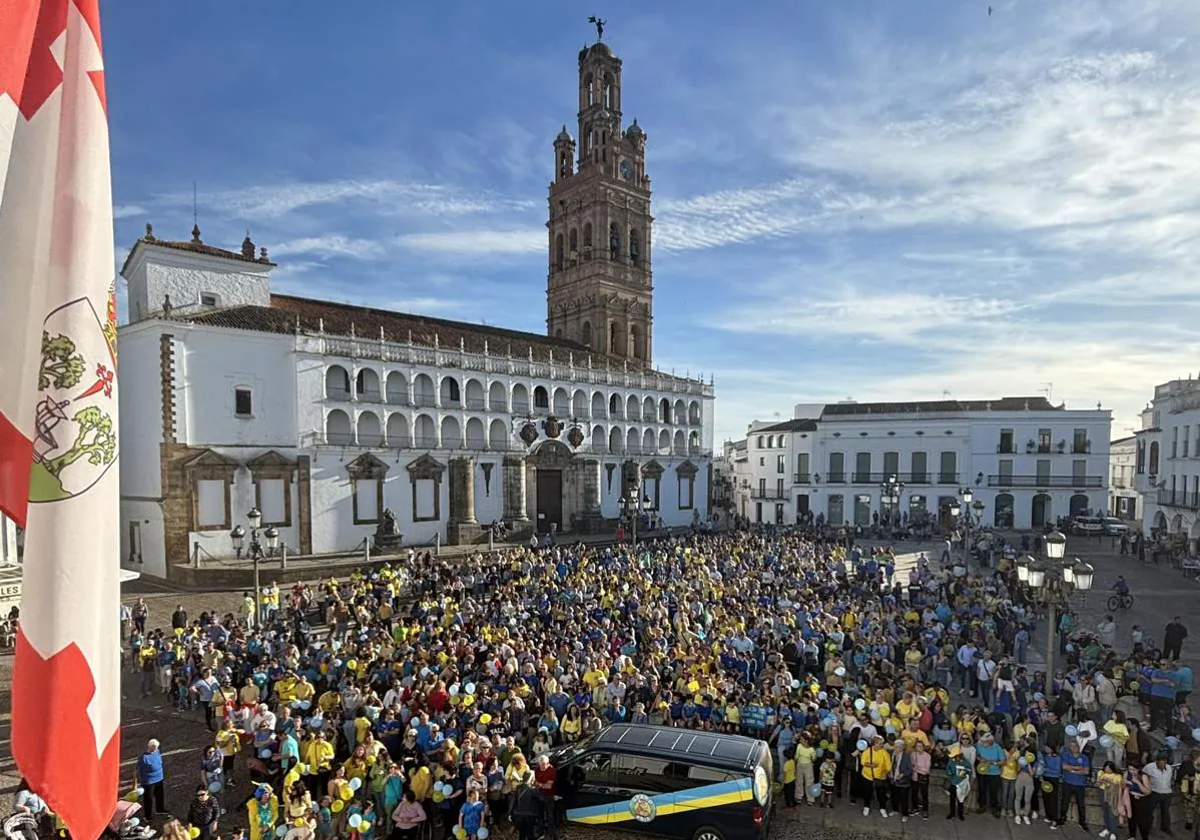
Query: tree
{"x": 95, "y": 440}
{"x": 61, "y": 365}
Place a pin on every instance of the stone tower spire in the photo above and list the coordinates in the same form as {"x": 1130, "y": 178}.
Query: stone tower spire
{"x": 599, "y": 288}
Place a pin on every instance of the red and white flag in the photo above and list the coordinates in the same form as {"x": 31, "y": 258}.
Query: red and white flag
{"x": 58, "y": 403}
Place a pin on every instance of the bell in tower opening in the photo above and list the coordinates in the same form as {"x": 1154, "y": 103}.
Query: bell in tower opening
{"x": 600, "y": 287}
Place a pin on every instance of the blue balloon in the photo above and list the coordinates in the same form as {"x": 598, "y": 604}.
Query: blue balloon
{"x": 861, "y": 745}
{"x": 814, "y": 791}
{"x": 265, "y": 752}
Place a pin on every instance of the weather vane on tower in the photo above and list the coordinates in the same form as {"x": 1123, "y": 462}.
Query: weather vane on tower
{"x": 599, "y": 24}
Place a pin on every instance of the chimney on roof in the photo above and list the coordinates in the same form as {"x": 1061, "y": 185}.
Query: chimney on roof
{"x": 149, "y": 237}
{"x": 262, "y": 255}
{"x": 247, "y": 247}
{"x": 196, "y": 240}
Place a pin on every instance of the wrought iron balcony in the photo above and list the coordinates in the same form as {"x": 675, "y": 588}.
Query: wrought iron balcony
{"x": 1047, "y": 481}
{"x": 1179, "y": 499}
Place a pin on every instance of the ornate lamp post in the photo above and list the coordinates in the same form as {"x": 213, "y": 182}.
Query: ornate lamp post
{"x": 889, "y": 494}
{"x": 1051, "y": 582}
{"x": 632, "y": 507}
{"x": 238, "y": 536}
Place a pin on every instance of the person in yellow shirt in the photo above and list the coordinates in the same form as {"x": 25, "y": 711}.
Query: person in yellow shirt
{"x": 806, "y": 755}
{"x": 876, "y": 765}
{"x": 913, "y": 735}
{"x": 1008, "y": 780}
{"x": 318, "y": 757}
{"x": 229, "y": 744}
{"x": 789, "y": 779}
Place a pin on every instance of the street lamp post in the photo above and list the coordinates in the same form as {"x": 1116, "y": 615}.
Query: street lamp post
{"x": 238, "y": 536}
{"x": 889, "y": 494}
{"x": 631, "y": 506}
{"x": 1052, "y": 581}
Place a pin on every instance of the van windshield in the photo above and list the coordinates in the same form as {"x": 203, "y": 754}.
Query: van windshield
{"x": 566, "y": 752}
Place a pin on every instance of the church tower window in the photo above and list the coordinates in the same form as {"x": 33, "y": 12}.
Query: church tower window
{"x": 558, "y": 252}
{"x": 614, "y": 241}
{"x": 635, "y": 253}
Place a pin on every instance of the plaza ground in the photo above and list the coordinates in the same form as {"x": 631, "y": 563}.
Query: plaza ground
{"x": 1159, "y": 591}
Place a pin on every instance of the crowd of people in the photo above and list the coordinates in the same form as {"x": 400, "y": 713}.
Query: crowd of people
{"x": 426, "y": 697}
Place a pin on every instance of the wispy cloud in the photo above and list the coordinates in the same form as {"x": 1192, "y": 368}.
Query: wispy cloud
{"x": 476, "y": 243}
{"x": 121, "y": 211}
{"x": 330, "y": 246}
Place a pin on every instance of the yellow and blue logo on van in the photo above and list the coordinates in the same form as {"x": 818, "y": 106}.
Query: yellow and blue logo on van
{"x": 643, "y": 808}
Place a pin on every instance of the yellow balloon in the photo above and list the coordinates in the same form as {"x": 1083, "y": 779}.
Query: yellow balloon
{"x": 299, "y": 823}
{"x": 346, "y": 793}
{"x": 485, "y": 718}
{"x": 337, "y": 806}
{"x": 193, "y": 832}
{"x": 693, "y": 686}
{"x": 364, "y": 826}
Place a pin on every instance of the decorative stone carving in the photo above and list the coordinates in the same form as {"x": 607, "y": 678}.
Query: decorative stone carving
{"x": 652, "y": 469}
{"x": 486, "y": 466}
{"x": 687, "y": 470}
{"x": 575, "y": 437}
{"x": 209, "y": 466}
{"x": 552, "y": 427}
{"x": 608, "y": 469}
{"x": 387, "y": 535}
{"x": 366, "y": 467}
{"x": 425, "y": 467}
{"x": 529, "y": 434}
{"x": 552, "y": 455}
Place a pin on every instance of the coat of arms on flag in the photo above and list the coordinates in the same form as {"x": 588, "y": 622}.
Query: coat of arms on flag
{"x": 75, "y": 438}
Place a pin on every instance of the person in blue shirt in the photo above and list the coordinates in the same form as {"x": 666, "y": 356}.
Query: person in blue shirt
{"x": 1162, "y": 696}
{"x": 1184, "y": 679}
{"x": 1076, "y": 768}
{"x": 1049, "y": 769}
{"x": 150, "y": 778}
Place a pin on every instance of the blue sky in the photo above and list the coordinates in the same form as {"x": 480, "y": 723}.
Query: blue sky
{"x": 881, "y": 199}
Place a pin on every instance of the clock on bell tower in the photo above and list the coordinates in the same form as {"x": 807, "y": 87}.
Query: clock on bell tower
{"x": 599, "y": 290}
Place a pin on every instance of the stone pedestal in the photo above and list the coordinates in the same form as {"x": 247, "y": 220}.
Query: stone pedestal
{"x": 461, "y": 528}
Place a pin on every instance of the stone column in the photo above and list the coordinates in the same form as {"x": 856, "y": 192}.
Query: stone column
{"x": 513, "y": 473}
{"x": 462, "y": 491}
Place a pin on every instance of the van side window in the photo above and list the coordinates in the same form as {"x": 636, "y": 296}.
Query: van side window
{"x": 593, "y": 770}
{"x": 655, "y": 775}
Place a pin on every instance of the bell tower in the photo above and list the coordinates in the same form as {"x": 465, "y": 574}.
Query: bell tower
{"x": 599, "y": 290}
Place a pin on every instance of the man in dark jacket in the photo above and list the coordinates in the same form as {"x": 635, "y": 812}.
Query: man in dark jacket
{"x": 526, "y": 812}
{"x": 1173, "y": 635}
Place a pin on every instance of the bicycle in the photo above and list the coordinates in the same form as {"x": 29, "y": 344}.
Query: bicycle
{"x": 1120, "y": 601}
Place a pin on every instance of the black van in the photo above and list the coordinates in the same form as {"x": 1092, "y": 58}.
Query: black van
{"x": 674, "y": 783}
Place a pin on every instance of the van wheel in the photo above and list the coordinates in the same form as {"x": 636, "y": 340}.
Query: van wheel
{"x": 708, "y": 833}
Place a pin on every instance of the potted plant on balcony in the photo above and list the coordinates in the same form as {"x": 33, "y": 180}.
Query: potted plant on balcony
{"x": 1030, "y": 445}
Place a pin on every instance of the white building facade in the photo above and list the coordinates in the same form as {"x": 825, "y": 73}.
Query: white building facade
{"x": 1124, "y": 502}
{"x": 1167, "y": 460}
{"x": 1028, "y": 462}
{"x": 234, "y": 399}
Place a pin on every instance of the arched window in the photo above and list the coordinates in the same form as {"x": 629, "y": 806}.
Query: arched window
{"x": 587, "y": 236}
{"x": 635, "y": 250}
{"x": 558, "y": 251}
{"x": 608, "y": 92}
{"x": 558, "y": 333}
{"x": 574, "y": 240}
{"x": 614, "y": 241}
{"x": 1153, "y": 468}
{"x": 540, "y": 398}
{"x": 635, "y": 337}
{"x": 587, "y": 333}
{"x": 590, "y": 86}
{"x": 616, "y": 339}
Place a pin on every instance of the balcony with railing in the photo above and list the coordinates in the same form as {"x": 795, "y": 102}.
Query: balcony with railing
{"x": 1006, "y": 447}
{"x": 1179, "y": 499}
{"x": 802, "y": 478}
{"x": 1073, "y": 482}
{"x": 769, "y": 494}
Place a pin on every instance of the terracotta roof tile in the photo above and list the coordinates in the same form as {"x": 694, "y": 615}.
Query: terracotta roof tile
{"x": 941, "y": 406}
{"x": 800, "y": 425}
{"x": 340, "y": 319}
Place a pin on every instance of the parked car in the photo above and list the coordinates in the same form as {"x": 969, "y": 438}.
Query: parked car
{"x": 1114, "y": 527}
{"x": 1087, "y": 526}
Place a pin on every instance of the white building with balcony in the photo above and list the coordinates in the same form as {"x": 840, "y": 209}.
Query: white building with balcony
{"x": 1028, "y": 462}
{"x": 325, "y": 415}
{"x": 1123, "y": 499}
{"x": 1167, "y": 460}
